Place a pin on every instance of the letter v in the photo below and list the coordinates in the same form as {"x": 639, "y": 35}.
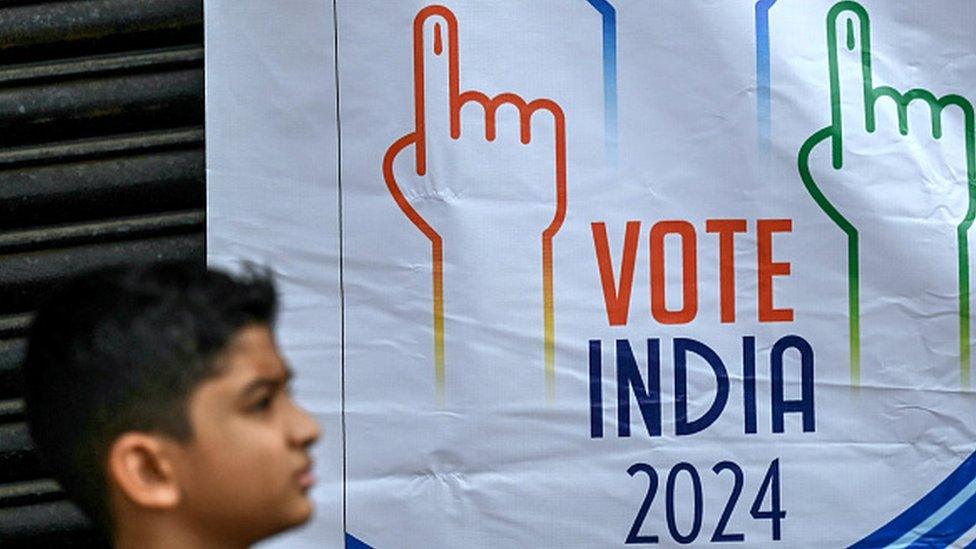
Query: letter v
{"x": 616, "y": 296}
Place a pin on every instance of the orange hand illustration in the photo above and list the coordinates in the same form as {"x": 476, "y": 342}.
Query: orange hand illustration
{"x": 431, "y": 169}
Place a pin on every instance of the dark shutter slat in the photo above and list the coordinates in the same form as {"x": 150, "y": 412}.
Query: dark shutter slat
{"x": 11, "y": 410}
{"x": 71, "y": 28}
{"x": 60, "y": 22}
{"x": 25, "y": 73}
{"x": 14, "y": 325}
{"x": 54, "y": 524}
{"x": 99, "y": 231}
{"x": 11, "y": 355}
{"x": 97, "y": 189}
{"x": 29, "y": 492}
{"x": 114, "y": 104}
{"x": 25, "y": 277}
{"x": 18, "y": 456}
{"x": 101, "y": 146}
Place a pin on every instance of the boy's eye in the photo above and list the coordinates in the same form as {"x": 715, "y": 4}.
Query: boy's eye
{"x": 262, "y": 404}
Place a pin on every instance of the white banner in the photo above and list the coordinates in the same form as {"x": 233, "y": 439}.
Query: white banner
{"x": 613, "y": 272}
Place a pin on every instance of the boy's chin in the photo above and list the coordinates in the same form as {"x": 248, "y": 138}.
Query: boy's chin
{"x": 304, "y": 509}
{"x": 291, "y": 516}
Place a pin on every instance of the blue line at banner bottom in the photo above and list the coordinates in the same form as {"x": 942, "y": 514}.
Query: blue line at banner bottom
{"x": 945, "y": 514}
{"x": 353, "y": 543}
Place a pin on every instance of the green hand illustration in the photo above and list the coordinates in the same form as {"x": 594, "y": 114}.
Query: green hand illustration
{"x": 914, "y": 189}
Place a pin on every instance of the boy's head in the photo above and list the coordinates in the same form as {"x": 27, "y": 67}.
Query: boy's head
{"x": 157, "y": 395}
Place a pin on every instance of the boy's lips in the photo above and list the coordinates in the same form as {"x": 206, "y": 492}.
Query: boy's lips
{"x": 305, "y": 476}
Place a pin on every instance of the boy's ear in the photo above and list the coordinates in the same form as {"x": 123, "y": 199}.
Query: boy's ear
{"x": 139, "y": 466}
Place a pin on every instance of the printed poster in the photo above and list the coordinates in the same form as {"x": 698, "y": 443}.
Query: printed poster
{"x": 616, "y": 273}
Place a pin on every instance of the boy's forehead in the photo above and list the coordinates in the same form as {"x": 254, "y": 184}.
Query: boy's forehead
{"x": 252, "y": 352}
{"x": 249, "y": 362}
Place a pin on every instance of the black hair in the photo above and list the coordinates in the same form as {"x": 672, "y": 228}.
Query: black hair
{"x": 121, "y": 349}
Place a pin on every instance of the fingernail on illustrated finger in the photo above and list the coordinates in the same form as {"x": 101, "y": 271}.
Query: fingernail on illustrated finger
{"x": 438, "y": 41}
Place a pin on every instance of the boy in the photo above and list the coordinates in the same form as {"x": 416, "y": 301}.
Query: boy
{"x": 159, "y": 398}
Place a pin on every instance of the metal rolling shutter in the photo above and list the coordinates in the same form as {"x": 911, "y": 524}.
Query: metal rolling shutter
{"x": 101, "y": 161}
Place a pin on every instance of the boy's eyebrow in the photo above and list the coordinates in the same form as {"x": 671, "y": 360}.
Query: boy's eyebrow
{"x": 272, "y": 382}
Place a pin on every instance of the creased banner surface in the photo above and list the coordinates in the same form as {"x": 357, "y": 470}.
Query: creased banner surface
{"x": 654, "y": 272}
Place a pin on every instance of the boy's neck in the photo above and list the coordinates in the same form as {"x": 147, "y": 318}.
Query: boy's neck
{"x": 164, "y": 532}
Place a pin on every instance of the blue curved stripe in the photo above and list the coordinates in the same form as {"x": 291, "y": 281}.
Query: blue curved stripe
{"x": 763, "y": 78}
{"x": 913, "y": 519}
{"x": 950, "y": 529}
{"x": 609, "y": 14}
{"x": 353, "y": 543}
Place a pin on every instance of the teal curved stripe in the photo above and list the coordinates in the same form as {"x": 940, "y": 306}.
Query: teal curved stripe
{"x": 609, "y": 15}
{"x": 763, "y": 76}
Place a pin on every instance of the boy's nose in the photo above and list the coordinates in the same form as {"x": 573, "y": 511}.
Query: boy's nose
{"x": 305, "y": 429}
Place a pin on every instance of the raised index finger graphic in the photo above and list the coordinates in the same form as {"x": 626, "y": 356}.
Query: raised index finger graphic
{"x": 435, "y": 73}
{"x": 849, "y": 56}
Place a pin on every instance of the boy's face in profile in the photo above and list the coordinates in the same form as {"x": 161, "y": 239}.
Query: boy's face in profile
{"x": 246, "y": 471}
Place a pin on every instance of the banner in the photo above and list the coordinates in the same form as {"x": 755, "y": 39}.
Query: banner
{"x": 272, "y": 165}
{"x": 615, "y": 273}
